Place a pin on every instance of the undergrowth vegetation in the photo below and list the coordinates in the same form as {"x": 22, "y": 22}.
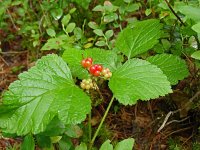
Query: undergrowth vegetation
{"x": 100, "y": 53}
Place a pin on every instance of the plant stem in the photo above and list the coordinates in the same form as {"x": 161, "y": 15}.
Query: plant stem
{"x": 89, "y": 126}
{"x": 101, "y": 123}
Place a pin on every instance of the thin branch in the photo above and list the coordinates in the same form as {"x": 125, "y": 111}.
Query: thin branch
{"x": 176, "y": 111}
{"x": 170, "y": 7}
{"x": 11, "y": 18}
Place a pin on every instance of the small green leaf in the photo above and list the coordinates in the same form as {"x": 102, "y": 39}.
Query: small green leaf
{"x": 55, "y": 139}
{"x": 100, "y": 43}
{"x": 98, "y": 8}
{"x": 172, "y": 66}
{"x": 98, "y": 32}
{"x": 196, "y": 27}
{"x": 66, "y": 19}
{"x": 132, "y": 7}
{"x": 106, "y": 146}
{"x": 93, "y": 25}
{"x": 109, "y": 34}
{"x": 43, "y": 141}
{"x": 126, "y": 144}
{"x": 51, "y": 32}
{"x": 138, "y": 79}
{"x": 72, "y": 10}
{"x": 110, "y": 17}
{"x": 148, "y": 12}
{"x": 70, "y": 27}
{"x": 28, "y": 143}
{"x": 46, "y": 91}
{"x": 56, "y": 13}
{"x": 139, "y": 39}
{"x": 196, "y": 55}
{"x": 53, "y": 43}
{"x": 84, "y": 4}
{"x": 82, "y": 146}
{"x": 73, "y": 131}
{"x": 78, "y": 33}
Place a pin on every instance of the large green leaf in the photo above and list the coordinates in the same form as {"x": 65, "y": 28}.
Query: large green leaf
{"x": 140, "y": 38}
{"x": 172, "y": 66}
{"x": 74, "y": 56}
{"x": 126, "y": 144}
{"x": 46, "y": 91}
{"x": 138, "y": 79}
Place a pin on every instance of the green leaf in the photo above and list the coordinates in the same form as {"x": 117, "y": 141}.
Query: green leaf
{"x": 100, "y": 43}
{"x": 43, "y": 141}
{"x": 196, "y": 27}
{"x": 66, "y": 19}
{"x": 138, "y": 79}
{"x": 70, "y": 27}
{"x": 44, "y": 92}
{"x": 84, "y": 4}
{"x": 93, "y": 25}
{"x": 132, "y": 7}
{"x": 82, "y": 146}
{"x": 53, "y": 43}
{"x": 191, "y": 12}
{"x": 98, "y": 32}
{"x": 98, "y": 8}
{"x": 72, "y": 10}
{"x": 172, "y": 66}
{"x": 109, "y": 34}
{"x": 56, "y": 13}
{"x": 74, "y": 57}
{"x": 110, "y": 17}
{"x": 51, "y": 32}
{"x": 28, "y": 143}
{"x": 196, "y": 55}
{"x": 66, "y": 144}
{"x": 126, "y": 144}
{"x": 106, "y": 146}
{"x": 141, "y": 38}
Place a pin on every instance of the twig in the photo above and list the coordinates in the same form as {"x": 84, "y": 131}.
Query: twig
{"x": 170, "y": 7}
{"x": 165, "y": 120}
{"x": 176, "y": 111}
{"x": 13, "y": 52}
{"x": 12, "y": 20}
{"x": 177, "y": 131}
{"x": 4, "y": 61}
{"x": 177, "y": 121}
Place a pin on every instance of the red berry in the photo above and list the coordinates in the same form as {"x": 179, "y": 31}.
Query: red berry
{"x": 99, "y": 68}
{"x": 96, "y": 73}
{"x": 89, "y": 59}
{"x": 86, "y": 63}
{"x": 92, "y": 69}
{"x": 96, "y": 69}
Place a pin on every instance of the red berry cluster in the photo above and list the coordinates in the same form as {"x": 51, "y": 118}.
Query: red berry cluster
{"x": 96, "y": 69}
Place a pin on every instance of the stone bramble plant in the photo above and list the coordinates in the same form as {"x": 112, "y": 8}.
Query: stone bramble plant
{"x": 47, "y": 91}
